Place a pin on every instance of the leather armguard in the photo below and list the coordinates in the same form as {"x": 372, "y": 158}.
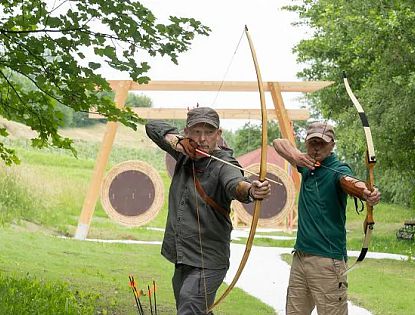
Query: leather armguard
{"x": 349, "y": 187}
{"x": 175, "y": 140}
{"x": 189, "y": 146}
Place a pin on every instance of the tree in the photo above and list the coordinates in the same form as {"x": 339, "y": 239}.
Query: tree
{"x": 248, "y": 138}
{"x": 134, "y": 100}
{"x": 59, "y": 46}
{"x": 81, "y": 119}
{"x": 372, "y": 41}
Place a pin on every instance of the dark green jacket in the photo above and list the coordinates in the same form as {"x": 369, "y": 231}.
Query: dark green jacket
{"x": 190, "y": 221}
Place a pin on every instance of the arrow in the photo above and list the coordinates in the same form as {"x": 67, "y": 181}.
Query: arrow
{"x": 235, "y": 166}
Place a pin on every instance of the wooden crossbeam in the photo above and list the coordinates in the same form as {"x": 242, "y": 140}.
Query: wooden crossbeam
{"x": 181, "y": 113}
{"x": 228, "y": 86}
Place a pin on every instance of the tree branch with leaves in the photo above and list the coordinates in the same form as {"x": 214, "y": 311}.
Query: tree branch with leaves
{"x": 51, "y": 53}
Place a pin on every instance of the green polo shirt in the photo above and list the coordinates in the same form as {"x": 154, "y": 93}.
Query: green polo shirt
{"x": 322, "y": 210}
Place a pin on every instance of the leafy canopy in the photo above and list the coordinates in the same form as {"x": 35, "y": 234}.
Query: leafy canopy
{"x": 373, "y": 42}
{"x": 51, "y": 52}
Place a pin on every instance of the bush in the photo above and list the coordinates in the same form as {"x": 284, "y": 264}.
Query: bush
{"x": 16, "y": 201}
{"x": 31, "y": 296}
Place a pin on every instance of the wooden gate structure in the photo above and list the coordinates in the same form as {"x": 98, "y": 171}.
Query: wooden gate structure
{"x": 122, "y": 87}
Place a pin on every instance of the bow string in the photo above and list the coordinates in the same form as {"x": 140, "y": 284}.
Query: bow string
{"x": 262, "y": 174}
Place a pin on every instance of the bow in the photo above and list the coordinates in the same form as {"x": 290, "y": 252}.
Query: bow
{"x": 262, "y": 173}
{"x": 370, "y": 163}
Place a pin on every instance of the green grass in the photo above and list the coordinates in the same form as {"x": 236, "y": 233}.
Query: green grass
{"x": 102, "y": 270}
{"x": 45, "y": 195}
{"x": 28, "y": 295}
{"x": 16, "y": 201}
{"x": 85, "y": 151}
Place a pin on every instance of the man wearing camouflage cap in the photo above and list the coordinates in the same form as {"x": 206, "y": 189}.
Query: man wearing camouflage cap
{"x": 198, "y": 228}
{"x": 317, "y": 277}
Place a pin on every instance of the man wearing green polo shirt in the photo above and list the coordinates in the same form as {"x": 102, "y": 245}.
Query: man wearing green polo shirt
{"x": 317, "y": 276}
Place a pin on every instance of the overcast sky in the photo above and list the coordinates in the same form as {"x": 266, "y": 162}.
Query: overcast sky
{"x": 209, "y": 57}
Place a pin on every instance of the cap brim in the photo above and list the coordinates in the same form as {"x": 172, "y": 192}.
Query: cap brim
{"x": 206, "y": 121}
{"x": 319, "y": 135}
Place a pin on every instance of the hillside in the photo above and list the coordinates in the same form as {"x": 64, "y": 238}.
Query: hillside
{"x": 125, "y": 137}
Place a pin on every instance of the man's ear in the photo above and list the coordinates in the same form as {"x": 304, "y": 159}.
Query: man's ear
{"x": 219, "y": 132}
{"x": 186, "y": 131}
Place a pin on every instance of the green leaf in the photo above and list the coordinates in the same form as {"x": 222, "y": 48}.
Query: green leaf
{"x": 3, "y": 132}
{"x": 94, "y": 65}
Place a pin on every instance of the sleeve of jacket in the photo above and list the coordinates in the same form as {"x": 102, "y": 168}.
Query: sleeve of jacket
{"x": 231, "y": 179}
{"x": 156, "y": 131}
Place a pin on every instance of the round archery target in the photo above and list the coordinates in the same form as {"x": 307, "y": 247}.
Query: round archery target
{"x": 132, "y": 193}
{"x": 275, "y": 208}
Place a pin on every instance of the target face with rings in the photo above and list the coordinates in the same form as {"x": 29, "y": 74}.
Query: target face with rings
{"x": 132, "y": 193}
{"x": 275, "y": 208}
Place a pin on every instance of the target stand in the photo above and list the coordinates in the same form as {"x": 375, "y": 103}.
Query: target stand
{"x": 121, "y": 88}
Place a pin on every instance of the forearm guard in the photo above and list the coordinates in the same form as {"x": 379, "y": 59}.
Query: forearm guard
{"x": 349, "y": 187}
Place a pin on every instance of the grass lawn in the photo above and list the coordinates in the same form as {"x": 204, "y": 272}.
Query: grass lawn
{"x": 102, "y": 270}
{"x": 41, "y": 199}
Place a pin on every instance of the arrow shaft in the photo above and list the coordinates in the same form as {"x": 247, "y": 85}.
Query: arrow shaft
{"x": 235, "y": 166}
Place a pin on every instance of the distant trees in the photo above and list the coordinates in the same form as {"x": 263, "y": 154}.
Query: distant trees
{"x": 141, "y": 100}
{"x": 248, "y": 138}
{"x": 72, "y": 118}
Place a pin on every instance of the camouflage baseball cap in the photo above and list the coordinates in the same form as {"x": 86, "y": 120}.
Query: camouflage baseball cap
{"x": 202, "y": 115}
{"x": 320, "y": 130}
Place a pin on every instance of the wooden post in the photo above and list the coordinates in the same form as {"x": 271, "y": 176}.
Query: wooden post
{"x": 285, "y": 124}
{"x": 121, "y": 89}
{"x": 287, "y": 132}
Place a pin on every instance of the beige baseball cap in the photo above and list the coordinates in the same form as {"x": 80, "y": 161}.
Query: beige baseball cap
{"x": 320, "y": 130}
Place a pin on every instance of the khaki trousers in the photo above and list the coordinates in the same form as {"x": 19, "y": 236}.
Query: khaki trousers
{"x": 317, "y": 281}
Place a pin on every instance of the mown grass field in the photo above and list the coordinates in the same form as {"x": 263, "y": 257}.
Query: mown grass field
{"x": 41, "y": 202}
{"x": 41, "y": 199}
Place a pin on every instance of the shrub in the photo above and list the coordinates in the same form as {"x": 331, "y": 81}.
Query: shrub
{"x": 31, "y": 296}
